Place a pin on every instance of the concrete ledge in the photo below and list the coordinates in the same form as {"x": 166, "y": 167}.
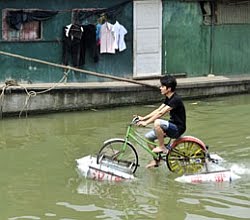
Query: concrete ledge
{"x": 46, "y": 98}
{"x": 213, "y": 86}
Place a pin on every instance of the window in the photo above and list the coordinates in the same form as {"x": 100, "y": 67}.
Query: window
{"x": 233, "y": 12}
{"x": 22, "y": 28}
{"x": 225, "y": 12}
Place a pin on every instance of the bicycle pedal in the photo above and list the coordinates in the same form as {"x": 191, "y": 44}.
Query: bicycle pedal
{"x": 163, "y": 157}
{"x": 168, "y": 147}
{"x": 163, "y": 154}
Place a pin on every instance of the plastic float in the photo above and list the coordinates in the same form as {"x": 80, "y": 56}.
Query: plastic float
{"x": 213, "y": 176}
{"x": 109, "y": 171}
{"x": 87, "y": 167}
{"x": 215, "y": 173}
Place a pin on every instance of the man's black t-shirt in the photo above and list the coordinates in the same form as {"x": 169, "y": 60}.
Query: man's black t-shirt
{"x": 178, "y": 112}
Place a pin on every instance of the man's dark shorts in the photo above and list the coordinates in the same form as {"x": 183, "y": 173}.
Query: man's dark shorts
{"x": 168, "y": 128}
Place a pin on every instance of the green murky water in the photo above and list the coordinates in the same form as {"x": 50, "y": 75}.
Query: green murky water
{"x": 38, "y": 178}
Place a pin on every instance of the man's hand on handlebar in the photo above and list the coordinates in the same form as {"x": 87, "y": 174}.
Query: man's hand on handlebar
{"x": 138, "y": 120}
{"x": 142, "y": 123}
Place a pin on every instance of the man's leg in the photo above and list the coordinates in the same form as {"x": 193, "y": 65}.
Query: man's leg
{"x": 160, "y": 136}
{"x": 151, "y": 136}
{"x": 159, "y": 133}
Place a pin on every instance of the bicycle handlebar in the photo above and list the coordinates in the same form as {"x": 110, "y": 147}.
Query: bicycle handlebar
{"x": 135, "y": 120}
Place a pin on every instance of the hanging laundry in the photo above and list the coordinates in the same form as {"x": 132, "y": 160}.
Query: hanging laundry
{"x": 76, "y": 39}
{"x": 98, "y": 30}
{"x": 88, "y": 41}
{"x": 72, "y": 45}
{"x": 107, "y": 38}
{"x": 67, "y": 29}
{"x": 119, "y": 34}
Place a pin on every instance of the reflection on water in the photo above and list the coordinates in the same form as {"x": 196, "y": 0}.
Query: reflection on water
{"x": 39, "y": 180}
{"x": 221, "y": 202}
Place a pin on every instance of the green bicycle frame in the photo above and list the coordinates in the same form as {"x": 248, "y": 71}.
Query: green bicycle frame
{"x": 132, "y": 134}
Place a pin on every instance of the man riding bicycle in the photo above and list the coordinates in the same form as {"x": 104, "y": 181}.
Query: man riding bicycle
{"x": 172, "y": 128}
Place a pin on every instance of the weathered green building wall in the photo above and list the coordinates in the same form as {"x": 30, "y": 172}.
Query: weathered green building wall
{"x": 50, "y": 47}
{"x": 231, "y": 49}
{"x": 191, "y": 47}
{"x": 185, "y": 40}
{"x": 188, "y": 45}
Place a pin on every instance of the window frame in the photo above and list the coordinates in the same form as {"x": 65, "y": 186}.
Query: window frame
{"x": 214, "y": 18}
{"x": 25, "y": 30}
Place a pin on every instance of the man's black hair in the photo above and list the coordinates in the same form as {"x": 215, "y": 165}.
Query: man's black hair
{"x": 169, "y": 81}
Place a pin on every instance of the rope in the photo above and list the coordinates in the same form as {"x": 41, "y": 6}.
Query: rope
{"x": 29, "y": 93}
{"x": 78, "y": 70}
{"x": 2, "y": 100}
{"x": 33, "y": 93}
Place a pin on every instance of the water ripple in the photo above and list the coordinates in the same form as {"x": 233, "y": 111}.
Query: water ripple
{"x": 24, "y": 217}
{"x": 227, "y": 209}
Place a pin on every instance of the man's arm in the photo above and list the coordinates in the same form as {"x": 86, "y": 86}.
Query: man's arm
{"x": 158, "y": 113}
{"x": 152, "y": 113}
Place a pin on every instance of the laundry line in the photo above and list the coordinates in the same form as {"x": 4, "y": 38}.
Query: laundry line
{"x": 116, "y": 78}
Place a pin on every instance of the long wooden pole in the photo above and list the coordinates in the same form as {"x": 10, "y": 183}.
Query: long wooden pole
{"x": 77, "y": 69}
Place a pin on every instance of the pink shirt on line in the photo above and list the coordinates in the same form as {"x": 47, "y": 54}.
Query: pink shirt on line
{"x": 107, "y": 38}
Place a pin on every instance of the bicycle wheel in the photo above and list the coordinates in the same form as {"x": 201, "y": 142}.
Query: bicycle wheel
{"x": 115, "y": 152}
{"x": 187, "y": 156}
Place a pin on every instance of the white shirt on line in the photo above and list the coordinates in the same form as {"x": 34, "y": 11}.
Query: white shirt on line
{"x": 112, "y": 37}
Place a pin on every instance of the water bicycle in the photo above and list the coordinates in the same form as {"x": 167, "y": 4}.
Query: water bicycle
{"x": 188, "y": 156}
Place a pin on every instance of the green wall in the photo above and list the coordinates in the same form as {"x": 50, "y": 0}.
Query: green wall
{"x": 188, "y": 45}
{"x": 50, "y": 47}
{"x": 191, "y": 47}
{"x": 231, "y": 50}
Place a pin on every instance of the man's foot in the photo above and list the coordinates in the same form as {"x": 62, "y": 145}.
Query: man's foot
{"x": 153, "y": 163}
{"x": 160, "y": 150}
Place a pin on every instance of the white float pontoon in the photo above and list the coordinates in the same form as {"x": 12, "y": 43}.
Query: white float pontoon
{"x": 110, "y": 171}
{"x": 215, "y": 173}
{"x": 106, "y": 170}
{"x": 213, "y": 176}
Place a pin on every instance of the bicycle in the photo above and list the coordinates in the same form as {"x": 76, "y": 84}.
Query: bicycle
{"x": 186, "y": 155}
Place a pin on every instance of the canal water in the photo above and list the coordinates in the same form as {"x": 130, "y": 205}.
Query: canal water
{"x": 38, "y": 177}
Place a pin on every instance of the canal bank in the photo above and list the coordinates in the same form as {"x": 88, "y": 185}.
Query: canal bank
{"x": 47, "y": 97}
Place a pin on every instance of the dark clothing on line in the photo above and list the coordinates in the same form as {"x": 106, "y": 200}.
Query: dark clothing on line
{"x": 80, "y": 38}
